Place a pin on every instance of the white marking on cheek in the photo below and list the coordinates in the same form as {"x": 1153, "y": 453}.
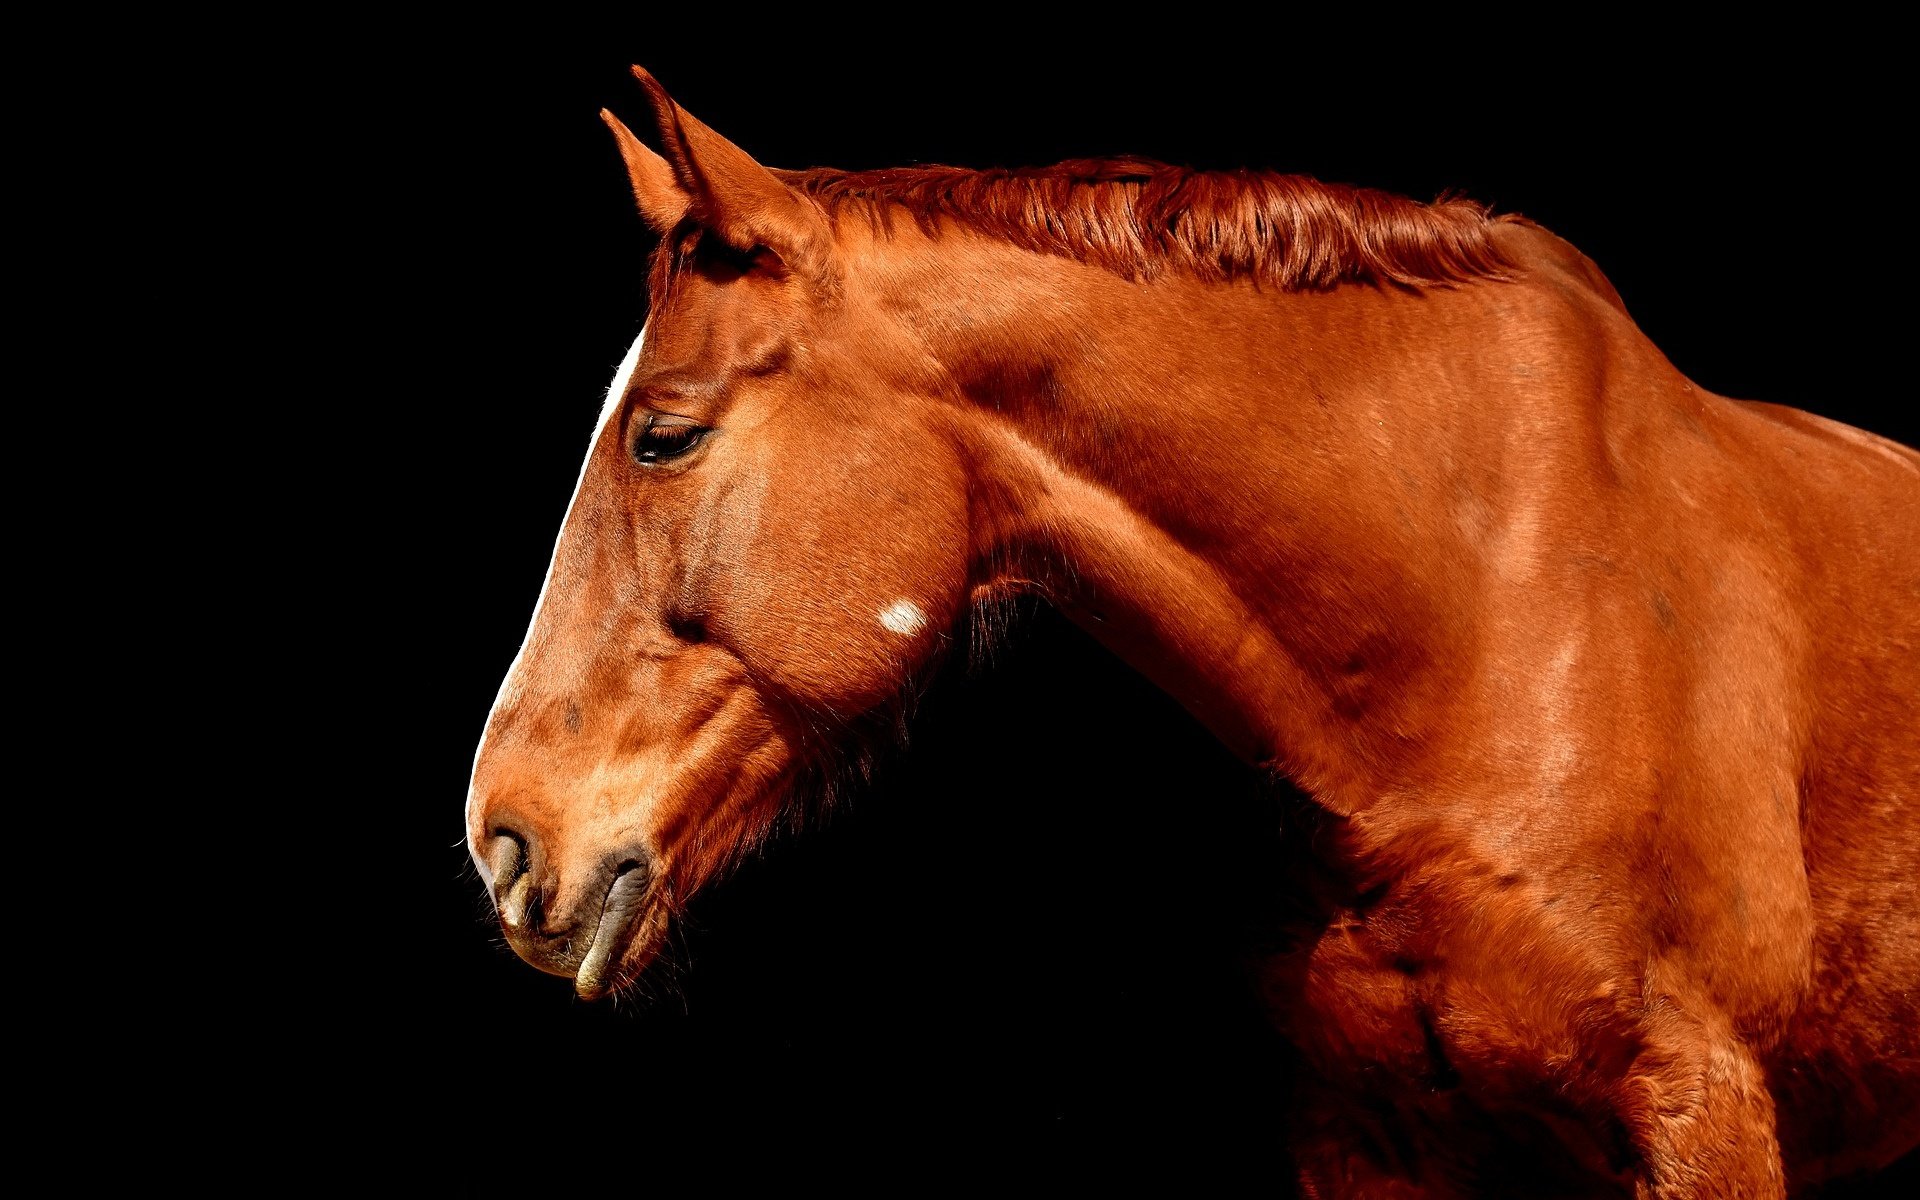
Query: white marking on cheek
{"x": 903, "y": 617}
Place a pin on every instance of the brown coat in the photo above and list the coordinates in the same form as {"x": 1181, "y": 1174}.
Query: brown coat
{"x": 1605, "y": 688}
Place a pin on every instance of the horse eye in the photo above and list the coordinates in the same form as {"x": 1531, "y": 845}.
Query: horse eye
{"x": 659, "y": 441}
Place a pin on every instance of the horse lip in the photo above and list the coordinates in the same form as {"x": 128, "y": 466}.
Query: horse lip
{"x": 619, "y": 914}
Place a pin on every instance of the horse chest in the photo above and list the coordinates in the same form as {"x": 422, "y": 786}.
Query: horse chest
{"x": 1359, "y": 1011}
{"x": 1388, "y": 1003}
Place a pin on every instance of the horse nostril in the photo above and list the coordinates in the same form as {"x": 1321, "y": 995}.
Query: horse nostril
{"x": 507, "y": 858}
{"x": 512, "y": 882}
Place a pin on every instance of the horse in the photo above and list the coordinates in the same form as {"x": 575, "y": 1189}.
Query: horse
{"x": 1601, "y": 689}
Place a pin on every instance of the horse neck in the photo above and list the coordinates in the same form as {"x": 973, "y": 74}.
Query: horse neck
{"x": 1273, "y": 504}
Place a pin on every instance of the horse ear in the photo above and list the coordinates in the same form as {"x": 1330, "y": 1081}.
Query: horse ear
{"x": 731, "y": 194}
{"x": 656, "y": 190}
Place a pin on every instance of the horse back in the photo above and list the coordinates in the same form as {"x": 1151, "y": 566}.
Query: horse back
{"x": 1779, "y": 553}
{"x": 1748, "y": 578}
{"x": 1848, "y": 506}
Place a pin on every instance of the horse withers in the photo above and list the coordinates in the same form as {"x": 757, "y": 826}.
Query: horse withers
{"x": 1603, "y": 688}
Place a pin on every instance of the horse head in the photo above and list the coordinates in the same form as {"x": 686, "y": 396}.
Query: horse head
{"x": 767, "y": 544}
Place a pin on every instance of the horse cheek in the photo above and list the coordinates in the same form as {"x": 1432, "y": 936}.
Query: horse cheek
{"x": 842, "y": 614}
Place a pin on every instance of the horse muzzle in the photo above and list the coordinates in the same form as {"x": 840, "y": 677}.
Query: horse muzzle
{"x": 586, "y": 941}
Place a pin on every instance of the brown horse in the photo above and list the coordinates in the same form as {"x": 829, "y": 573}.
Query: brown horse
{"x": 1604, "y": 689}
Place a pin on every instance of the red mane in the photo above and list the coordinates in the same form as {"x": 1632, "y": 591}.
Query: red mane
{"x": 1138, "y": 217}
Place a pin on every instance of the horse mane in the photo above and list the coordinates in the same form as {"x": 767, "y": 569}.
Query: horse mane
{"x": 1137, "y": 217}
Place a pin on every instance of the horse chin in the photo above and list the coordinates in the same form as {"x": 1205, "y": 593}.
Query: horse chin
{"x": 633, "y": 925}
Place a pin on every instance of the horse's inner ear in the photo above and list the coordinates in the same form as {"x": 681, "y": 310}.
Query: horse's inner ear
{"x": 655, "y": 189}
{"x": 732, "y": 195}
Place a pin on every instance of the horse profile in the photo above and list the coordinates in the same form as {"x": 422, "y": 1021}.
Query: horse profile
{"x": 1603, "y": 689}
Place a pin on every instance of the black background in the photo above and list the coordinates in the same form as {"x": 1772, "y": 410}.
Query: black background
{"x": 1025, "y": 935}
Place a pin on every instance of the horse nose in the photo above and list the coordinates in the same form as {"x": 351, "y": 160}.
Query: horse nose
{"x": 578, "y": 928}
{"x": 510, "y": 860}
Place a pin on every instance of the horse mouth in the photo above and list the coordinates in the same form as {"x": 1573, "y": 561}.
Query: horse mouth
{"x": 628, "y": 931}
